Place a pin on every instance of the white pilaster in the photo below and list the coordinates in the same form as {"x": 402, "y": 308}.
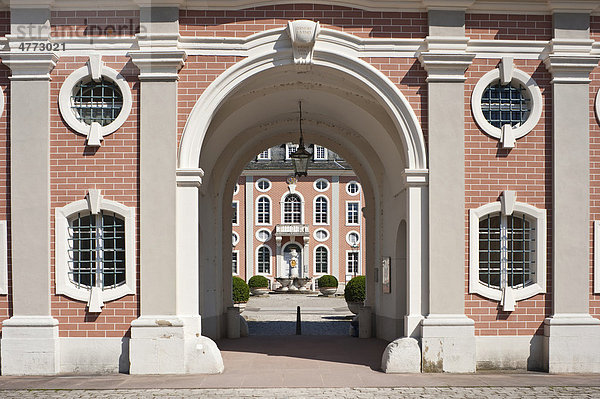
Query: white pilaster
{"x": 30, "y": 344}
{"x": 448, "y": 336}
{"x": 337, "y": 267}
{"x": 571, "y": 335}
{"x": 249, "y": 247}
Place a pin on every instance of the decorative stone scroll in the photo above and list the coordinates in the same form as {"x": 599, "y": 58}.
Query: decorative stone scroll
{"x": 303, "y": 34}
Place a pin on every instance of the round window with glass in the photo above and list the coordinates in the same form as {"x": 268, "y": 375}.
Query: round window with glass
{"x": 263, "y": 235}
{"x": 506, "y": 104}
{"x": 96, "y": 101}
{"x": 321, "y": 185}
{"x": 321, "y": 235}
{"x": 263, "y": 185}
{"x": 352, "y": 188}
{"x": 353, "y": 238}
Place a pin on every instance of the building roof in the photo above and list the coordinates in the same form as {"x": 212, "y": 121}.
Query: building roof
{"x": 278, "y": 161}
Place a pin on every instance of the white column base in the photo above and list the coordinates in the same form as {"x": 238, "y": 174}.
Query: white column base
{"x": 412, "y": 325}
{"x": 572, "y": 343}
{"x": 172, "y": 345}
{"x": 448, "y": 344}
{"x": 30, "y": 346}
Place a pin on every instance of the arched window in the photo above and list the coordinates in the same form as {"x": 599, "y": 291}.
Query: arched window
{"x": 321, "y": 210}
{"x": 321, "y": 260}
{"x": 292, "y": 209}
{"x": 263, "y": 210}
{"x": 263, "y": 260}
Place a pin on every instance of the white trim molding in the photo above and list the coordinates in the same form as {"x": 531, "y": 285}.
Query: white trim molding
{"x": 64, "y": 285}
{"x": 320, "y": 180}
{"x": 596, "y": 257}
{"x": 506, "y": 73}
{"x": 3, "y": 257}
{"x": 348, "y": 187}
{"x": 315, "y": 273}
{"x": 319, "y": 239}
{"x": 353, "y": 232}
{"x": 327, "y": 211}
{"x": 269, "y": 211}
{"x": 94, "y": 70}
{"x": 535, "y": 216}
{"x": 597, "y": 107}
{"x": 236, "y": 210}
{"x": 262, "y": 180}
{"x": 259, "y": 238}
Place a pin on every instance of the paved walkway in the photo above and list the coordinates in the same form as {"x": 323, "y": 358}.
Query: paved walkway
{"x": 291, "y": 366}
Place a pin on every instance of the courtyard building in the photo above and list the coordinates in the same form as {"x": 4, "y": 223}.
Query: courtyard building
{"x": 468, "y": 134}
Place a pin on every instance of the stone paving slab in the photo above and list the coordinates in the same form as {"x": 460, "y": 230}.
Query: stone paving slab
{"x": 318, "y": 393}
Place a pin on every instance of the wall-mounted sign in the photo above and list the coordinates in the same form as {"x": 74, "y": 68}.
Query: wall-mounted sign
{"x": 385, "y": 274}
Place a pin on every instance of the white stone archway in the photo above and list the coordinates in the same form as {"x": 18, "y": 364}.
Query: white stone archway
{"x": 350, "y": 107}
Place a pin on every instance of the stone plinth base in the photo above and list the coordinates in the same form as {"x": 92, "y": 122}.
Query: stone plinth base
{"x": 572, "y": 343}
{"x": 448, "y": 344}
{"x": 402, "y": 355}
{"x": 30, "y": 346}
{"x": 172, "y": 345}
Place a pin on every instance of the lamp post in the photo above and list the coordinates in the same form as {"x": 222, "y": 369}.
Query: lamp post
{"x": 300, "y": 157}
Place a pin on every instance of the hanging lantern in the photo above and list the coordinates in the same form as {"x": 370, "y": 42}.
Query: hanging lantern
{"x": 301, "y": 157}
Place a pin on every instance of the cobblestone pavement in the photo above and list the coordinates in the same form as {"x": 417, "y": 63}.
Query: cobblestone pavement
{"x": 319, "y": 393}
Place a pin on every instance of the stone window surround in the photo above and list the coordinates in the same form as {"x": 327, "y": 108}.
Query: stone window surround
{"x": 504, "y": 71}
{"x": 263, "y": 180}
{"x": 92, "y": 70}
{"x": 258, "y": 235}
{"x": 269, "y": 259}
{"x": 538, "y": 219}
{"x": 348, "y": 185}
{"x": 348, "y": 237}
{"x": 269, "y": 212}
{"x": 315, "y": 259}
{"x": 282, "y": 205}
{"x": 94, "y": 203}
{"x": 318, "y": 181}
{"x": 347, "y": 218}
{"x": 351, "y": 273}
{"x": 315, "y": 210}
{"x": 318, "y": 239}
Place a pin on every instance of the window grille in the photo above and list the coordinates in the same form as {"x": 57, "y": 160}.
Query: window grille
{"x": 263, "y": 184}
{"x": 320, "y": 153}
{"x": 235, "y": 238}
{"x": 292, "y": 209}
{"x": 264, "y": 260}
{"x": 352, "y": 213}
{"x": 321, "y": 235}
{"x": 321, "y": 185}
{"x": 263, "y": 214}
{"x": 353, "y": 238}
{"x": 234, "y": 262}
{"x": 263, "y": 235}
{"x": 96, "y": 101}
{"x": 265, "y": 155}
{"x": 97, "y": 250}
{"x": 234, "y": 218}
{"x": 321, "y": 210}
{"x": 506, "y": 251}
{"x": 321, "y": 264}
{"x": 505, "y": 104}
{"x": 290, "y": 149}
{"x": 352, "y": 262}
{"x": 352, "y": 188}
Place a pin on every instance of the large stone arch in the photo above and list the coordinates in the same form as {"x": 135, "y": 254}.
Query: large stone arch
{"x": 350, "y": 107}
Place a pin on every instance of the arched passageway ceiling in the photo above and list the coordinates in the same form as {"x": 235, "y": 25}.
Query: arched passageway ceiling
{"x": 336, "y": 109}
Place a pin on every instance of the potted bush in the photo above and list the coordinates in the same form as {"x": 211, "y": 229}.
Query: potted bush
{"x": 259, "y": 285}
{"x": 328, "y": 284}
{"x": 240, "y": 292}
{"x": 354, "y": 293}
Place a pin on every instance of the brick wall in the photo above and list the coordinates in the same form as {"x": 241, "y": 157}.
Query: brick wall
{"x": 242, "y": 23}
{"x": 594, "y": 176}
{"x": 74, "y": 169}
{"x": 92, "y": 23}
{"x": 508, "y": 27}
{"x": 525, "y": 169}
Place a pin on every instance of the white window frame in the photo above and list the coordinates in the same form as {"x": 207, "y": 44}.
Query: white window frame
{"x": 348, "y": 187}
{"x": 235, "y": 238}
{"x": 97, "y": 203}
{"x": 261, "y": 157}
{"x": 315, "y": 260}
{"x": 288, "y": 147}
{"x": 270, "y": 260}
{"x": 348, "y": 272}
{"x": 537, "y": 217}
{"x": 319, "y": 239}
{"x": 282, "y": 207}
{"x": 237, "y": 268}
{"x": 347, "y": 213}
{"x": 262, "y": 180}
{"x": 270, "y": 211}
{"x": 236, "y": 209}
{"x": 321, "y": 190}
{"x": 236, "y": 188}
{"x": 315, "y": 211}
{"x": 348, "y": 237}
{"x": 316, "y": 152}
{"x": 257, "y": 235}
{"x": 66, "y": 90}
{"x": 519, "y": 77}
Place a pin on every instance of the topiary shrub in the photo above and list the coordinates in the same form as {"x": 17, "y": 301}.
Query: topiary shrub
{"x": 355, "y": 290}
{"x": 241, "y": 291}
{"x": 258, "y": 282}
{"x": 328, "y": 281}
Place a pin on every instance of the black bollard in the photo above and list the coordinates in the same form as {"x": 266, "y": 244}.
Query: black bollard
{"x": 298, "y": 322}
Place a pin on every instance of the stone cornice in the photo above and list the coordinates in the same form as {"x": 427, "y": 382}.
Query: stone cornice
{"x": 483, "y": 6}
{"x": 415, "y": 178}
{"x": 29, "y": 66}
{"x": 189, "y": 177}
{"x": 158, "y": 64}
{"x": 571, "y": 68}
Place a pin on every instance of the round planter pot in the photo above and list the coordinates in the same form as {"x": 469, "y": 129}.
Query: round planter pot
{"x": 354, "y": 306}
{"x": 259, "y": 291}
{"x": 328, "y": 290}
